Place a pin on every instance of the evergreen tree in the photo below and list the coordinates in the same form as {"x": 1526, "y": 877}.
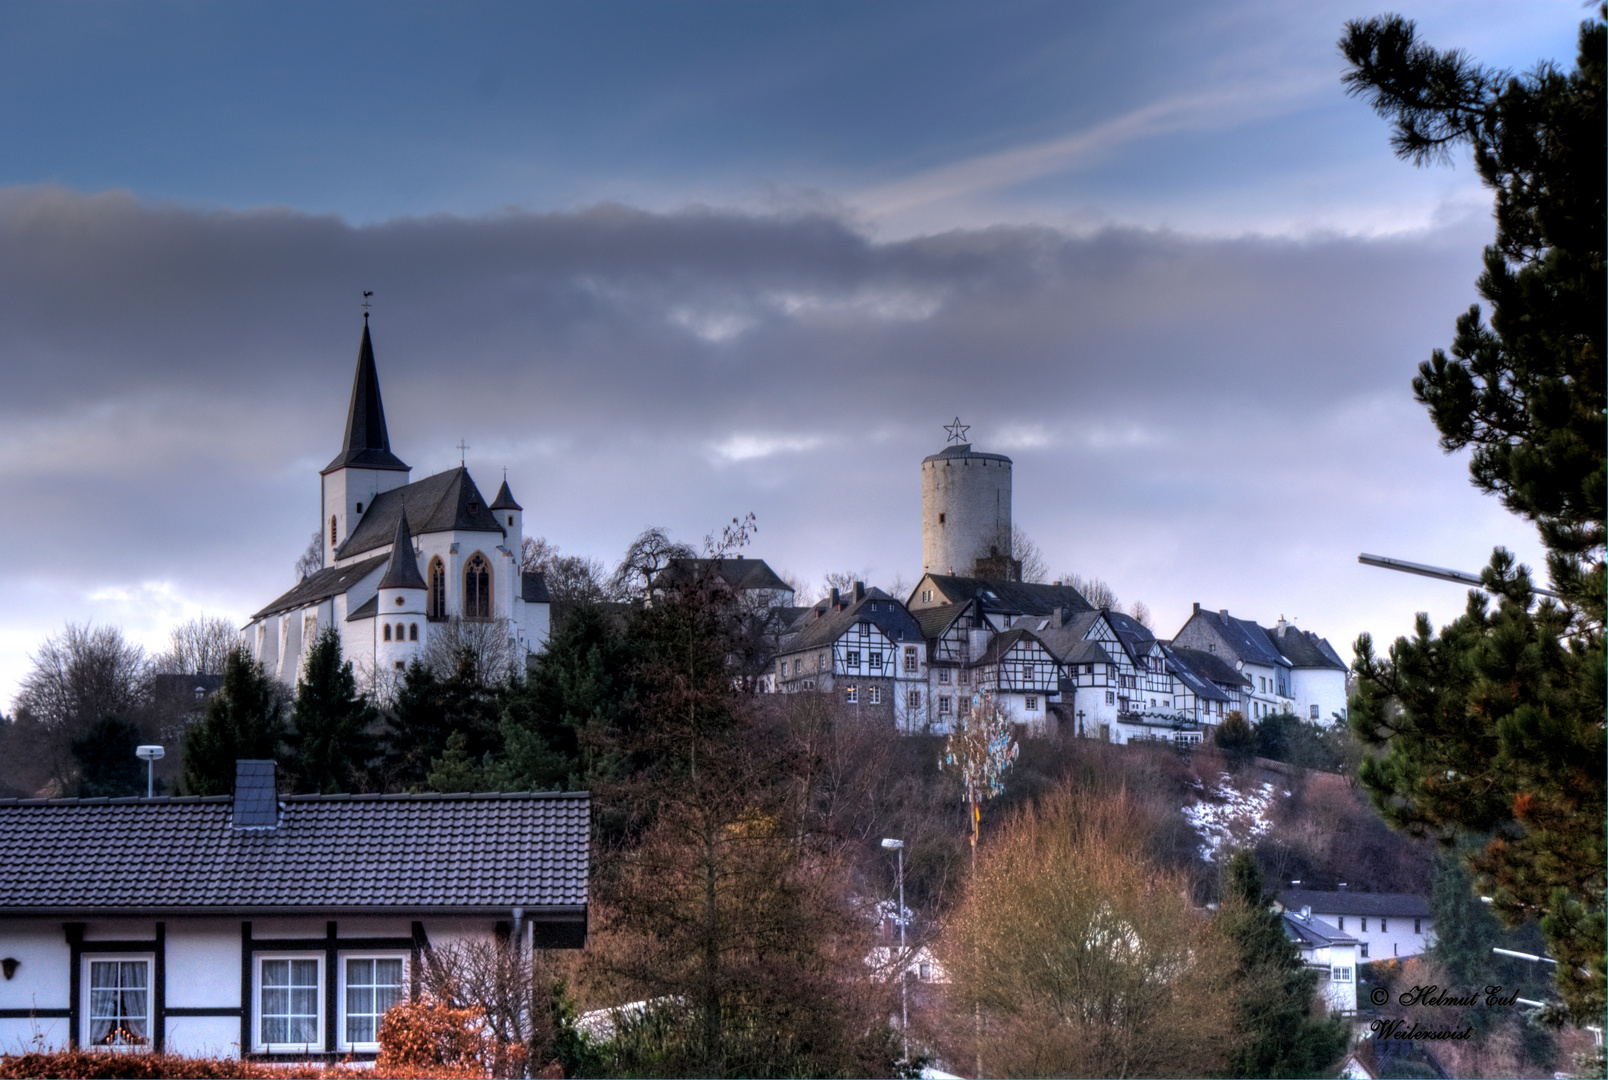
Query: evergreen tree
{"x": 107, "y": 766}
{"x": 244, "y": 720}
{"x": 331, "y": 745}
{"x": 416, "y": 730}
{"x": 1495, "y": 727}
{"x": 1278, "y": 1035}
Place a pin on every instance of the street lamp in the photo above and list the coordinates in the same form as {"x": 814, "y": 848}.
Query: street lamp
{"x": 151, "y": 755}
{"x": 904, "y": 1007}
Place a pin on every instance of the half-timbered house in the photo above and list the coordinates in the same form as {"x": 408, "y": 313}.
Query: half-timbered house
{"x": 865, "y": 649}
{"x": 1021, "y": 675}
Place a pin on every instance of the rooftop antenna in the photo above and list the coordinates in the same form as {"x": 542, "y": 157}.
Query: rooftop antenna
{"x": 366, "y": 294}
{"x": 463, "y": 451}
{"x": 957, "y": 431}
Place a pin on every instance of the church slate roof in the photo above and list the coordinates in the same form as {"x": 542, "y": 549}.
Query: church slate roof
{"x": 402, "y": 572}
{"x": 367, "y": 444}
{"x": 328, "y": 582}
{"x": 822, "y": 625}
{"x": 505, "y": 498}
{"x": 1011, "y": 597}
{"x": 370, "y": 853}
{"x": 444, "y": 502}
{"x": 533, "y": 589}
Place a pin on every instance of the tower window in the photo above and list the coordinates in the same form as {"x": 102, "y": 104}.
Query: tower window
{"x": 941, "y": 518}
{"x": 401, "y": 631}
{"x": 436, "y": 606}
{"x": 359, "y": 508}
{"x": 510, "y": 521}
{"x": 332, "y": 526}
{"x": 413, "y": 631}
{"x": 387, "y": 632}
{"x": 477, "y": 588}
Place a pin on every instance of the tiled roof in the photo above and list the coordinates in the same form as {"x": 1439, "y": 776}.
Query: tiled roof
{"x": 1197, "y": 683}
{"x": 1314, "y": 932}
{"x": 1355, "y": 903}
{"x": 533, "y": 588}
{"x": 739, "y": 573}
{"x": 1204, "y": 673}
{"x": 1304, "y": 649}
{"x": 505, "y": 498}
{"x": 935, "y": 620}
{"x": 1001, "y": 644}
{"x": 439, "y": 503}
{"x": 355, "y": 852}
{"x": 1011, "y": 597}
{"x": 403, "y": 570}
{"x": 813, "y": 631}
{"x": 331, "y": 581}
{"x": 1248, "y": 641}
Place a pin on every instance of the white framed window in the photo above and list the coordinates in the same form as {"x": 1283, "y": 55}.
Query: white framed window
{"x": 965, "y": 706}
{"x": 117, "y": 1003}
{"x": 289, "y": 1003}
{"x": 910, "y": 659}
{"x": 1031, "y": 704}
{"x": 913, "y": 699}
{"x": 1340, "y": 974}
{"x": 370, "y": 984}
{"x": 852, "y": 658}
{"x": 943, "y": 676}
{"x": 944, "y": 703}
{"x": 1111, "y": 697}
{"x": 1384, "y": 925}
{"x": 854, "y": 695}
{"x": 875, "y": 695}
{"x": 874, "y": 660}
{"x": 1314, "y": 712}
{"x": 965, "y": 677}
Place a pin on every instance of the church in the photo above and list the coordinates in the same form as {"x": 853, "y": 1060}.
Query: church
{"x": 403, "y": 559}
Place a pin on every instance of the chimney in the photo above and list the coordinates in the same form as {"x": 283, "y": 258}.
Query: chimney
{"x": 1197, "y": 607}
{"x": 859, "y": 591}
{"x": 1223, "y": 612}
{"x": 256, "y": 795}
{"x": 1306, "y": 911}
{"x": 1059, "y": 617}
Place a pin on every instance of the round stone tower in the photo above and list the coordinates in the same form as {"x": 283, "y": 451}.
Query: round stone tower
{"x": 965, "y": 508}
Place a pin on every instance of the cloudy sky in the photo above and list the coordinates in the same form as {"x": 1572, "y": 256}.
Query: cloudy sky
{"x": 671, "y": 263}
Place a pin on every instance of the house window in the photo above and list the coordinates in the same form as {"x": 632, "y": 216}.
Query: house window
{"x": 413, "y": 631}
{"x": 913, "y": 699}
{"x": 965, "y": 677}
{"x": 373, "y": 984}
{"x": 437, "y": 605}
{"x": 1418, "y": 926}
{"x": 926, "y": 596}
{"x": 874, "y": 660}
{"x": 1314, "y": 712}
{"x": 1365, "y": 924}
{"x": 965, "y": 706}
{"x": 1340, "y": 974}
{"x": 359, "y": 508}
{"x": 853, "y": 695}
{"x": 910, "y": 659}
{"x": 477, "y": 588}
{"x": 943, "y": 676}
{"x": 1031, "y": 703}
{"x": 1384, "y": 926}
{"x": 1088, "y": 669}
{"x": 288, "y": 994}
{"x": 820, "y": 662}
{"x": 875, "y": 695}
{"x": 944, "y": 704}
{"x": 1111, "y": 697}
{"x": 119, "y": 1002}
{"x": 1342, "y": 923}
{"x": 387, "y": 634}
{"x": 1365, "y": 950}
{"x": 852, "y": 658}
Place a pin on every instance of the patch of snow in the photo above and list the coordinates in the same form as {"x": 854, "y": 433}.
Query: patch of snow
{"x": 1230, "y": 816}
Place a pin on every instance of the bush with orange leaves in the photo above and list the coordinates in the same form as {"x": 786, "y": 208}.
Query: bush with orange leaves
{"x": 429, "y": 1037}
{"x": 104, "y": 1065}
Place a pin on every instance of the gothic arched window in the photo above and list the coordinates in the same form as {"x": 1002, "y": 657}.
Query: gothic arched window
{"x": 413, "y": 631}
{"x": 436, "y": 602}
{"x": 387, "y": 631}
{"x": 477, "y": 588}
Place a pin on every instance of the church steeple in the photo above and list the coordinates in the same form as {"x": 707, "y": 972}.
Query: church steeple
{"x": 402, "y": 572}
{"x": 367, "y": 444}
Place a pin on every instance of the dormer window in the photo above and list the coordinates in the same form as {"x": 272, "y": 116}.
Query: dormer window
{"x": 359, "y": 508}
{"x": 474, "y": 508}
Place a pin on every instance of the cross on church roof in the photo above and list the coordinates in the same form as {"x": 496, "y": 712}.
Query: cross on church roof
{"x": 957, "y": 431}
{"x": 463, "y": 451}
{"x": 366, "y": 294}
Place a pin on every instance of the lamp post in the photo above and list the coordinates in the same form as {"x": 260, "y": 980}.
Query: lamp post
{"x": 150, "y": 754}
{"x": 904, "y": 1007}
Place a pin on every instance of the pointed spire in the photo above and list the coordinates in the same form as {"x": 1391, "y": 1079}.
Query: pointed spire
{"x": 367, "y": 444}
{"x": 505, "y": 498}
{"x": 402, "y": 572}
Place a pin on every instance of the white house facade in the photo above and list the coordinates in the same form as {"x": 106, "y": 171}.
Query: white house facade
{"x": 1385, "y": 925}
{"x": 1329, "y": 951}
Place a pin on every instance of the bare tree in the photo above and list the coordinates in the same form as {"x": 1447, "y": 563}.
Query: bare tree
{"x": 312, "y": 560}
{"x": 570, "y": 579}
{"x": 490, "y": 642}
{"x": 1092, "y": 589}
{"x": 649, "y": 553}
{"x": 86, "y": 673}
{"x": 534, "y": 551}
{"x": 1140, "y": 613}
{"x": 841, "y": 580}
{"x": 502, "y": 978}
{"x": 198, "y": 647}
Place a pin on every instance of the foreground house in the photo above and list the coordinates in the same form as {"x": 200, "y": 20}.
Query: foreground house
{"x": 261, "y": 924}
{"x": 1331, "y": 952}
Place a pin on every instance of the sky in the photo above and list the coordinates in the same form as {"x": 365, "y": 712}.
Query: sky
{"x": 668, "y": 264}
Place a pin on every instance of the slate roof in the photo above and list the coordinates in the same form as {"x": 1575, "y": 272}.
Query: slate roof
{"x": 1001, "y": 644}
{"x": 960, "y": 450}
{"x": 824, "y": 626}
{"x": 1314, "y": 933}
{"x": 367, "y": 444}
{"x": 739, "y": 573}
{"x": 444, "y": 502}
{"x": 1409, "y": 905}
{"x": 328, "y": 582}
{"x": 935, "y": 620}
{"x": 1010, "y": 597}
{"x": 1303, "y": 648}
{"x": 1198, "y": 683}
{"x": 505, "y": 498}
{"x": 402, "y": 572}
{"x": 533, "y": 588}
{"x": 371, "y": 853}
{"x": 1134, "y": 635}
{"x": 1066, "y": 641}
{"x": 1248, "y": 641}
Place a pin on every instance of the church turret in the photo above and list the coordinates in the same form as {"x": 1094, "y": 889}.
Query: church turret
{"x": 365, "y": 466}
{"x": 399, "y": 606}
{"x": 510, "y": 515}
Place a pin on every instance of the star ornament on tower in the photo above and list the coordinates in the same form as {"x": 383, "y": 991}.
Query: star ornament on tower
{"x": 957, "y": 431}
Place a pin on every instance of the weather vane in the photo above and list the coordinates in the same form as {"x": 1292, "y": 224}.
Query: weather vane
{"x": 366, "y": 294}
{"x": 957, "y": 431}
{"x": 463, "y": 451}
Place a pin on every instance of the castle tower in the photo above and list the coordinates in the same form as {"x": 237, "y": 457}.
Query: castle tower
{"x": 965, "y": 509}
{"x": 365, "y": 466}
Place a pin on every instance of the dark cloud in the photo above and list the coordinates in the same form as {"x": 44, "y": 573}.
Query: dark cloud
{"x": 176, "y": 376}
